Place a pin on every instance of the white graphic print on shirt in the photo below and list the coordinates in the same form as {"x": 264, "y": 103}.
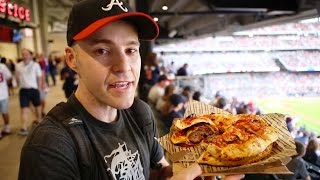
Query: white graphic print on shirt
{"x": 124, "y": 164}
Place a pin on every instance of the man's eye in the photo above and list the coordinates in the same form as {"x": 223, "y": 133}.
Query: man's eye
{"x": 132, "y": 50}
{"x": 102, "y": 52}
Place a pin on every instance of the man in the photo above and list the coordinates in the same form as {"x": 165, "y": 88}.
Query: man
{"x": 182, "y": 71}
{"x": 5, "y": 77}
{"x": 69, "y": 84}
{"x": 157, "y": 90}
{"x": 44, "y": 64}
{"x": 29, "y": 78}
{"x": 297, "y": 165}
{"x": 103, "y": 49}
{"x": 176, "y": 106}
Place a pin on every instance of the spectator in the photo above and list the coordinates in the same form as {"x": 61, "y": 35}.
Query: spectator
{"x": 171, "y": 69}
{"x": 253, "y": 109}
{"x": 44, "y": 64}
{"x": 13, "y": 83}
{"x": 182, "y": 71}
{"x": 157, "y": 90}
{"x": 234, "y": 105}
{"x": 163, "y": 103}
{"x": 9, "y": 83}
{"x": 3, "y": 61}
{"x": 151, "y": 69}
{"x": 69, "y": 77}
{"x": 29, "y": 77}
{"x": 304, "y": 139}
{"x": 243, "y": 109}
{"x": 217, "y": 96}
{"x": 151, "y": 73}
{"x": 289, "y": 123}
{"x": 196, "y": 95}
{"x": 177, "y": 103}
{"x": 52, "y": 69}
{"x": 5, "y": 77}
{"x": 187, "y": 93}
{"x": 297, "y": 165}
{"x": 222, "y": 103}
{"x": 311, "y": 152}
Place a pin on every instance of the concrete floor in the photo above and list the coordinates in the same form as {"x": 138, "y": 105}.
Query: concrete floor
{"x": 10, "y": 146}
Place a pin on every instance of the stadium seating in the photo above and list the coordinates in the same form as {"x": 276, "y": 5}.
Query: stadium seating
{"x": 314, "y": 171}
{"x": 281, "y": 60}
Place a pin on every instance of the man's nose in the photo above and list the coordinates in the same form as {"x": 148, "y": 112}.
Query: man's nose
{"x": 121, "y": 62}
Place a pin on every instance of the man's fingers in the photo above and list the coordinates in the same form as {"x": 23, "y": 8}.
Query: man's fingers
{"x": 189, "y": 173}
{"x": 192, "y": 171}
{"x": 234, "y": 177}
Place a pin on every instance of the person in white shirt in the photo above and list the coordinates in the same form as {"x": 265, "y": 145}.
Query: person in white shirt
{"x": 5, "y": 77}
{"x": 157, "y": 90}
{"x": 29, "y": 79}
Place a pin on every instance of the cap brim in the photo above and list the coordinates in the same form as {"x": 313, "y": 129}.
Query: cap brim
{"x": 147, "y": 27}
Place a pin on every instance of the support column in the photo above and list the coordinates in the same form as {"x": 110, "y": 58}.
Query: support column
{"x": 36, "y": 31}
{"x": 145, "y": 49}
{"x": 42, "y": 7}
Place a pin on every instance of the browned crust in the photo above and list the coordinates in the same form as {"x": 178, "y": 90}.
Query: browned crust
{"x": 206, "y": 158}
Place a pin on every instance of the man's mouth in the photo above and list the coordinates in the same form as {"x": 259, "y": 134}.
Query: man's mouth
{"x": 120, "y": 85}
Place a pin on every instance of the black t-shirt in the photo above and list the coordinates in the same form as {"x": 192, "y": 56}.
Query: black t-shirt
{"x": 126, "y": 150}
{"x": 182, "y": 72}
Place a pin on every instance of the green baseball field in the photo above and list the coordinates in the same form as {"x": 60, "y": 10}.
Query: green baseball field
{"x": 305, "y": 110}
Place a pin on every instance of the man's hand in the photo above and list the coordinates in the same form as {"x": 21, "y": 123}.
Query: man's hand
{"x": 193, "y": 171}
{"x": 234, "y": 177}
{"x": 189, "y": 173}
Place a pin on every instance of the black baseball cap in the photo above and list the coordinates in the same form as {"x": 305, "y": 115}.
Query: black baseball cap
{"x": 87, "y": 16}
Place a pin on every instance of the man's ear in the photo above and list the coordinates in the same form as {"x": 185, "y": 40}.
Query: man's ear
{"x": 71, "y": 58}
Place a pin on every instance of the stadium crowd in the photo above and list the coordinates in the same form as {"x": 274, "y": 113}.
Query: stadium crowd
{"x": 288, "y": 28}
{"x": 280, "y": 42}
{"x": 207, "y": 63}
{"x": 299, "y": 35}
{"x": 300, "y": 60}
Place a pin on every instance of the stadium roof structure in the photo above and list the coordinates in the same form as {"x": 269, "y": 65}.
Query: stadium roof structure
{"x": 182, "y": 19}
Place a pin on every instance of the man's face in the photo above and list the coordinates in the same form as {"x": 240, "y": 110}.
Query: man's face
{"x": 108, "y": 63}
{"x": 26, "y": 55}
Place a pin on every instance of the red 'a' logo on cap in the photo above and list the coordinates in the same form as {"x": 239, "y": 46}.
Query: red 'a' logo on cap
{"x": 115, "y": 2}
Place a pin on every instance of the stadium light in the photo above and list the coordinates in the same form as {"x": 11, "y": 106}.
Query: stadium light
{"x": 165, "y": 8}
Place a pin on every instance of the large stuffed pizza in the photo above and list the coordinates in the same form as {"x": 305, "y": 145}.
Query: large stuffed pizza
{"x": 230, "y": 140}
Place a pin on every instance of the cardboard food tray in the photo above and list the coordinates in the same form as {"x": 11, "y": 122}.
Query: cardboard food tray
{"x": 283, "y": 148}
